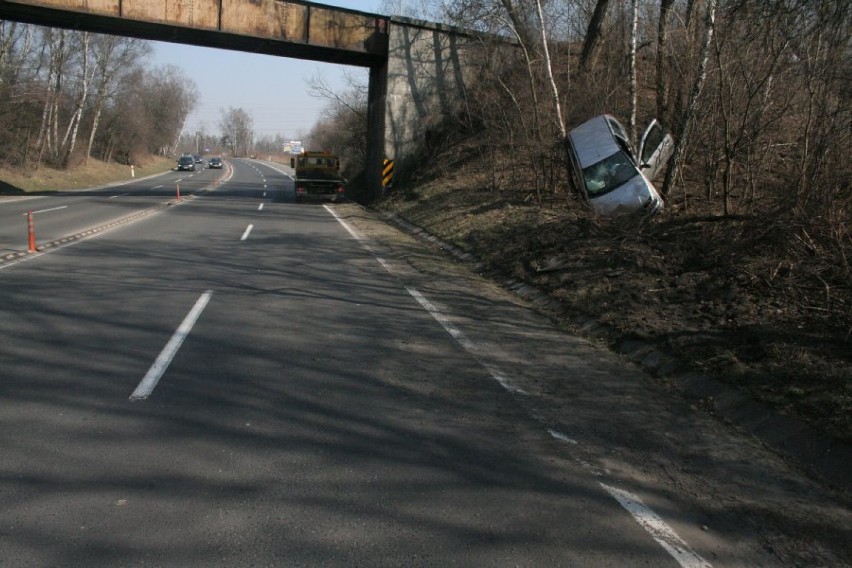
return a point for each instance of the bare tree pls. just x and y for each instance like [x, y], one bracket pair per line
[149, 114]
[57, 86]
[19, 92]
[548, 68]
[236, 126]
[697, 86]
[351, 98]
[523, 35]
[56, 45]
[69, 141]
[523, 104]
[115, 57]
[9, 34]
[631, 57]
[170, 99]
[594, 34]
[662, 63]
[343, 127]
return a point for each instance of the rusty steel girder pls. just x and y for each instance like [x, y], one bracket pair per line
[295, 29]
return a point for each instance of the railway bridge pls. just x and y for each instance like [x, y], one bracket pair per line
[420, 72]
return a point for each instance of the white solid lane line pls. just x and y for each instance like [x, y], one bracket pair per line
[661, 532]
[454, 332]
[658, 529]
[466, 344]
[246, 234]
[120, 195]
[152, 377]
[5, 199]
[51, 209]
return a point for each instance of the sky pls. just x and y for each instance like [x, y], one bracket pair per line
[273, 90]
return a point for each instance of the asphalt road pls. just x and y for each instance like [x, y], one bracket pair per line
[237, 380]
[58, 214]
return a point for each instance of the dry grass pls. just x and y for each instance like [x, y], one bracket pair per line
[96, 173]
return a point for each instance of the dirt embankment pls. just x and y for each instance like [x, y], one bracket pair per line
[761, 304]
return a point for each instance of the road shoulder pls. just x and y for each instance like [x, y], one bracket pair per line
[633, 427]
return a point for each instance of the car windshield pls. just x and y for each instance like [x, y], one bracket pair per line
[606, 175]
[185, 159]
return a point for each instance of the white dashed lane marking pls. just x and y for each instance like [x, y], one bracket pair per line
[152, 377]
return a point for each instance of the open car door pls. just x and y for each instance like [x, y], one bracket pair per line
[655, 150]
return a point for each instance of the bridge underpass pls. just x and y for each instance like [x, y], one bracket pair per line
[418, 71]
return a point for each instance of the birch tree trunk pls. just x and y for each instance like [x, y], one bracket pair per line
[697, 86]
[180, 132]
[116, 56]
[53, 116]
[662, 63]
[548, 68]
[96, 118]
[45, 108]
[634, 22]
[55, 47]
[77, 117]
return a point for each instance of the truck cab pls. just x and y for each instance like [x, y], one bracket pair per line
[317, 176]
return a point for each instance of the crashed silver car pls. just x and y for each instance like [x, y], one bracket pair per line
[615, 179]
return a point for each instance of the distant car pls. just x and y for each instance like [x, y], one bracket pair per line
[186, 163]
[215, 163]
[615, 179]
[198, 159]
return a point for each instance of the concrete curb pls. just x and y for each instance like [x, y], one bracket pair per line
[818, 453]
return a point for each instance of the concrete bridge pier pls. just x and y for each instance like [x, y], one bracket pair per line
[376, 104]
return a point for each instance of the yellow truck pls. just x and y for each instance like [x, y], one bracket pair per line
[318, 176]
